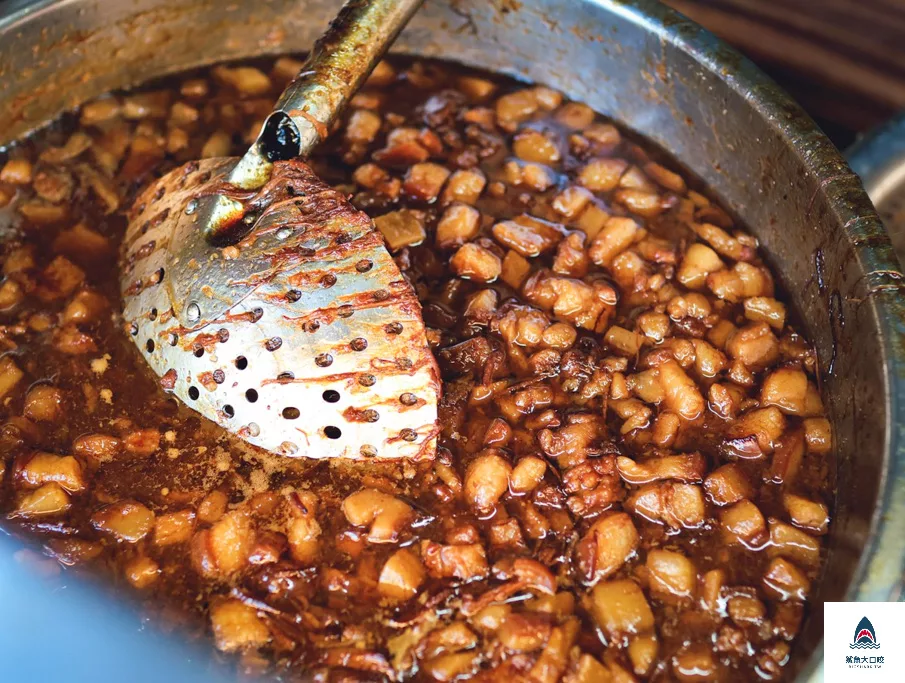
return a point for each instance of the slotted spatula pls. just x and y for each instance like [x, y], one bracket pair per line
[269, 304]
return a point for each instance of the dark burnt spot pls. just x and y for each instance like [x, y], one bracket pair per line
[145, 250]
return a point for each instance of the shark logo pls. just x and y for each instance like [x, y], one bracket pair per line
[865, 636]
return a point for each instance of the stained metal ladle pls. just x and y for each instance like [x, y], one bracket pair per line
[269, 304]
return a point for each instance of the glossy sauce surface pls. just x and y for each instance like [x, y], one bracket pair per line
[633, 478]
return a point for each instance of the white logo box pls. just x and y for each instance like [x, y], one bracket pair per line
[862, 641]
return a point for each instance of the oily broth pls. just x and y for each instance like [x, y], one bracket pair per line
[266, 549]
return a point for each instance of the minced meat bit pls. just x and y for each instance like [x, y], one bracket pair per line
[633, 476]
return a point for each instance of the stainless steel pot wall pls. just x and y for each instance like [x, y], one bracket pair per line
[663, 77]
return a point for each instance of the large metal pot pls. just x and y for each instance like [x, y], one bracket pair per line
[660, 75]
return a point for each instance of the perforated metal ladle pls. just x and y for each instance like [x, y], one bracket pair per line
[269, 304]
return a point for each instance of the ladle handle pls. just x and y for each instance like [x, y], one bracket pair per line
[338, 64]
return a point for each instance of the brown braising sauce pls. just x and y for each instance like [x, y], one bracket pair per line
[632, 482]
